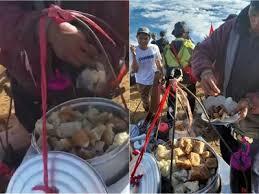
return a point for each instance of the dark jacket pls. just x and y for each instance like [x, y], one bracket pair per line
[19, 33]
[218, 53]
[19, 23]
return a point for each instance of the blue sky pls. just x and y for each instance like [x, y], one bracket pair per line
[163, 14]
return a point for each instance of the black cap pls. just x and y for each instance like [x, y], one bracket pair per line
[230, 16]
[144, 30]
[255, 3]
[180, 28]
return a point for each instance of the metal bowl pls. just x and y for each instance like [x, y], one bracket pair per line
[114, 164]
[214, 184]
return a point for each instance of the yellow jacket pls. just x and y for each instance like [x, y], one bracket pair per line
[184, 54]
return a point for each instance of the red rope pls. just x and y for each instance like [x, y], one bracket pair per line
[116, 82]
[170, 93]
[122, 73]
[58, 15]
[43, 59]
[135, 179]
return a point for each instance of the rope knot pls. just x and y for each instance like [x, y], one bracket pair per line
[59, 15]
[5, 171]
[135, 180]
[45, 189]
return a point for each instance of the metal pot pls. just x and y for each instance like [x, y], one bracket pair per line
[151, 180]
[68, 173]
[214, 185]
[114, 164]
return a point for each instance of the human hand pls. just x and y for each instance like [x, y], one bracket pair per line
[133, 50]
[134, 65]
[242, 108]
[70, 45]
[208, 83]
[254, 102]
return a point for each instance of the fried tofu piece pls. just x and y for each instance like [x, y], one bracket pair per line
[182, 142]
[183, 163]
[211, 162]
[67, 114]
[200, 173]
[192, 186]
[118, 123]
[181, 175]
[120, 138]
[99, 145]
[164, 166]
[188, 148]
[180, 188]
[108, 135]
[198, 147]
[195, 159]
[178, 152]
[162, 152]
[187, 141]
[206, 154]
[81, 138]
[66, 130]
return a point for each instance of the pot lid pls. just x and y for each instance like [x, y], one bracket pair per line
[67, 172]
[150, 182]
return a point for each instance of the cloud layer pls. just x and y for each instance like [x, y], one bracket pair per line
[199, 14]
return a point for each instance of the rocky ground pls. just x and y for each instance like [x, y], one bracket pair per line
[199, 126]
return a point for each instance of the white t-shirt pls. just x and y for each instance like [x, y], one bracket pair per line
[147, 64]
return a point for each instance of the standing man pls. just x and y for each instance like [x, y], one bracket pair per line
[177, 55]
[146, 61]
[153, 37]
[162, 41]
[226, 63]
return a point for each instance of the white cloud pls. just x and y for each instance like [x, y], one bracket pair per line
[199, 14]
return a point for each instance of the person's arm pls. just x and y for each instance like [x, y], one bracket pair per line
[205, 55]
[158, 59]
[20, 32]
[159, 65]
[134, 65]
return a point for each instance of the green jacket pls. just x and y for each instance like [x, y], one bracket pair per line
[184, 54]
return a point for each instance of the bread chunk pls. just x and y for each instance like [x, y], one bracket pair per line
[195, 159]
[198, 147]
[211, 162]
